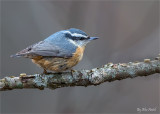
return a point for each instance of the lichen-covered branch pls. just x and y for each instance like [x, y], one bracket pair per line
[96, 76]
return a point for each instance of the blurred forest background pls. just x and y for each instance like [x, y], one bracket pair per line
[128, 31]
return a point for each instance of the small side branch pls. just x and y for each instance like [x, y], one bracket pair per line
[96, 76]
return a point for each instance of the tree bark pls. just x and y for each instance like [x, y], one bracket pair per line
[107, 73]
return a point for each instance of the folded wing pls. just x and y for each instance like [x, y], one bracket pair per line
[45, 48]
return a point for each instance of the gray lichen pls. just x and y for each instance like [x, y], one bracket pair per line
[96, 76]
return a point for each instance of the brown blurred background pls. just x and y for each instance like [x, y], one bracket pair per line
[128, 31]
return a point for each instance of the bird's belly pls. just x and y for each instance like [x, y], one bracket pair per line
[56, 64]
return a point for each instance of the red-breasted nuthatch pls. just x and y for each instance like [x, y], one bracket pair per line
[59, 52]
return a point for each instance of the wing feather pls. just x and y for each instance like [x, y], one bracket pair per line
[45, 48]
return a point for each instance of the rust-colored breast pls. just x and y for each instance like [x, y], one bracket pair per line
[58, 64]
[77, 56]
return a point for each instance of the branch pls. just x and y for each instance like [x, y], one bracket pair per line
[109, 72]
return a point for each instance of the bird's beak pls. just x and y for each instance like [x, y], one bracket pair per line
[93, 38]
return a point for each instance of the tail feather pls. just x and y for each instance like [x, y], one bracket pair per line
[17, 55]
[27, 53]
[23, 53]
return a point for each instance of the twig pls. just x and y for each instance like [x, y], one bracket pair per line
[96, 76]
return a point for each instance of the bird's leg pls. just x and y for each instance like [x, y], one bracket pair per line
[72, 70]
[45, 72]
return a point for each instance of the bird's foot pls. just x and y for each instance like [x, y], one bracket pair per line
[72, 70]
[46, 73]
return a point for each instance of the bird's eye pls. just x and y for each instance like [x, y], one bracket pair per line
[78, 38]
[82, 38]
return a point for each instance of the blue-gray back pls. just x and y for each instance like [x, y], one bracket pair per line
[55, 45]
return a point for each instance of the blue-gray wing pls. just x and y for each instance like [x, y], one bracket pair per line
[45, 48]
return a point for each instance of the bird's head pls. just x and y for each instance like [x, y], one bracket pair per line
[78, 37]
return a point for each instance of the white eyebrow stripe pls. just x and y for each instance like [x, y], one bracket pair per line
[75, 34]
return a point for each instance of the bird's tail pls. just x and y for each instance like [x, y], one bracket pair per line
[23, 53]
[18, 55]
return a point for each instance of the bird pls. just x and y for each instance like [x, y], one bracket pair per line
[58, 52]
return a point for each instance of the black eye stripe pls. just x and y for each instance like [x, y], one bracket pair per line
[79, 38]
[68, 35]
